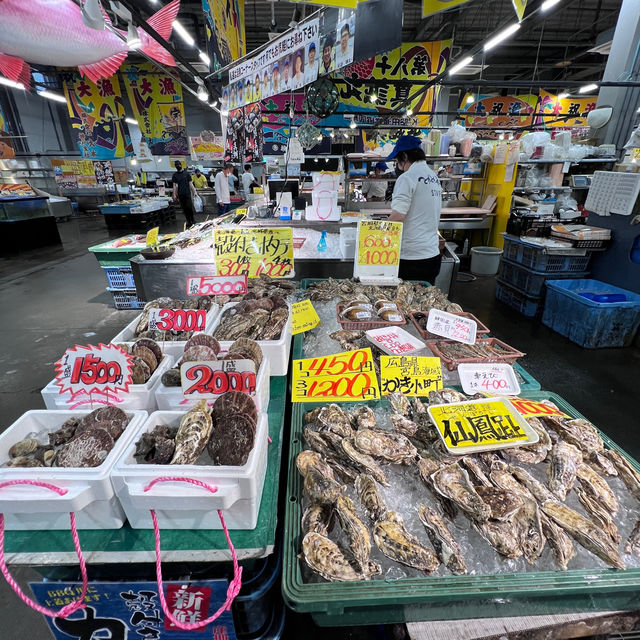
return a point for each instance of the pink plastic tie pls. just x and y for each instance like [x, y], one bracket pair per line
[234, 586]
[70, 608]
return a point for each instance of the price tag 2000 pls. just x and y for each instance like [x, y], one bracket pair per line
[211, 379]
[177, 319]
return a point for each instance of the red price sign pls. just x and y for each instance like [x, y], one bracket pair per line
[211, 379]
[534, 409]
[451, 326]
[216, 285]
[177, 319]
[102, 369]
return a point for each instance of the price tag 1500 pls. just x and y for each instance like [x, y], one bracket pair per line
[211, 379]
[216, 285]
[177, 319]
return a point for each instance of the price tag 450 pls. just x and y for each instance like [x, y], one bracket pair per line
[177, 319]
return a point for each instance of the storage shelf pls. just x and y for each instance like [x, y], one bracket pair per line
[586, 160]
[533, 189]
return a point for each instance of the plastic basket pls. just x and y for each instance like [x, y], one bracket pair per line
[351, 325]
[518, 300]
[120, 277]
[482, 329]
[509, 357]
[591, 324]
[537, 257]
[528, 281]
[126, 299]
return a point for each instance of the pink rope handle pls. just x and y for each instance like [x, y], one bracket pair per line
[234, 586]
[70, 608]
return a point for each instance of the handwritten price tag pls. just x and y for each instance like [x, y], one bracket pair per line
[304, 317]
[379, 242]
[480, 425]
[534, 409]
[252, 252]
[216, 285]
[211, 379]
[410, 375]
[103, 368]
[177, 319]
[152, 237]
[394, 341]
[451, 326]
[344, 377]
[488, 378]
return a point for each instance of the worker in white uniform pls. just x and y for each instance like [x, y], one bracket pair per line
[417, 200]
[247, 179]
[376, 190]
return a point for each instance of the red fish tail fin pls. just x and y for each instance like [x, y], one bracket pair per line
[15, 69]
[104, 68]
[162, 23]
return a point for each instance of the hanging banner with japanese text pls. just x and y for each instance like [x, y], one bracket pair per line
[73, 174]
[566, 112]
[519, 6]
[156, 99]
[224, 22]
[209, 148]
[429, 7]
[244, 141]
[6, 145]
[497, 113]
[97, 117]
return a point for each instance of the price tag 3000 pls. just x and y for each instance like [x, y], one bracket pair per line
[177, 319]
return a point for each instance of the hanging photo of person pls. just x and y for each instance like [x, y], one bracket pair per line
[311, 66]
[285, 78]
[225, 101]
[275, 79]
[345, 38]
[257, 89]
[298, 69]
[248, 92]
[328, 62]
[266, 84]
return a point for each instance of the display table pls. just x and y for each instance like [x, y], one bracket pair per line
[137, 213]
[26, 223]
[127, 545]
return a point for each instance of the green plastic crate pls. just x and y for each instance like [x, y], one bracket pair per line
[445, 597]
[113, 257]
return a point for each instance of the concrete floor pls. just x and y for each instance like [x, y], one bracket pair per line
[54, 298]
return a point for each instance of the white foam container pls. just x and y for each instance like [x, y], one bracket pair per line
[172, 398]
[179, 505]
[276, 351]
[170, 347]
[90, 495]
[140, 397]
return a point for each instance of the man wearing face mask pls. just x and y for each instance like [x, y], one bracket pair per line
[416, 202]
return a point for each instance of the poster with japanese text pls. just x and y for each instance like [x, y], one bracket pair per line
[97, 117]
[6, 145]
[73, 174]
[127, 610]
[234, 146]
[206, 148]
[566, 112]
[156, 99]
[498, 112]
[224, 23]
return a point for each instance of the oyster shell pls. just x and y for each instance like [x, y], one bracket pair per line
[478, 475]
[364, 418]
[193, 434]
[539, 491]
[325, 558]
[598, 488]
[311, 459]
[315, 440]
[250, 347]
[503, 504]
[356, 532]
[598, 514]
[390, 446]
[24, 448]
[317, 519]
[363, 461]
[400, 404]
[563, 468]
[561, 544]
[370, 497]
[322, 488]
[345, 473]
[171, 378]
[502, 536]
[533, 453]
[427, 466]
[275, 324]
[580, 433]
[529, 526]
[447, 549]
[632, 545]
[336, 419]
[453, 482]
[628, 474]
[403, 425]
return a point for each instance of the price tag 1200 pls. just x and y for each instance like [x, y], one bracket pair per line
[451, 326]
[177, 319]
[211, 379]
[488, 378]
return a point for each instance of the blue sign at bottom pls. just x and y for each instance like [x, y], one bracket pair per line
[132, 611]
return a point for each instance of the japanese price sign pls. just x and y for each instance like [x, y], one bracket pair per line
[488, 378]
[152, 236]
[410, 375]
[344, 377]
[121, 610]
[378, 249]
[211, 379]
[451, 326]
[177, 319]
[394, 341]
[216, 285]
[534, 409]
[102, 369]
[252, 252]
[304, 317]
[481, 425]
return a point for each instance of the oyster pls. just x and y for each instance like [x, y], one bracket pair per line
[533, 453]
[629, 475]
[400, 404]
[403, 425]
[397, 543]
[64, 433]
[632, 544]
[364, 418]
[369, 496]
[478, 475]
[598, 514]
[536, 488]
[24, 448]
[321, 488]
[451, 395]
[26, 461]
[363, 461]
[317, 519]
[563, 468]
[453, 482]
[580, 433]
[419, 409]
[529, 527]
[308, 459]
[344, 473]
[193, 434]
[387, 445]
[443, 542]
[315, 440]
[502, 536]
[325, 558]
[503, 504]
[584, 532]
[598, 488]
[356, 532]
[336, 419]
[427, 466]
[561, 544]
[275, 324]
[601, 463]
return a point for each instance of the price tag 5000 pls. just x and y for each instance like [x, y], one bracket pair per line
[216, 285]
[177, 319]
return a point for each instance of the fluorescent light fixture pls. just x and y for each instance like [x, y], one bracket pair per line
[213, 104]
[10, 83]
[353, 124]
[471, 99]
[183, 33]
[52, 96]
[346, 135]
[134, 161]
[205, 58]
[547, 4]
[588, 87]
[501, 136]
[374, 98]
[563, 95]
[461, 65]
[409, 111]
[502, 36]
[133, 39]
[203, 94]
[132, 121]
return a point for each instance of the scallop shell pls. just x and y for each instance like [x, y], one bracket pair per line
[199, 353]
[145, 354]
[191, 303]
[234, 402]
[204, 340]
[250, 347]
[140, 371]
[150, 344]
[89, 449]
[204, 303]
[232, 440]
[171, 378]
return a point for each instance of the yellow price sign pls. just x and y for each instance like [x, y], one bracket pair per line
[304, 317]
[152, 237]
[379, 243]
[480, 425]
[343, 377]
[410, 375]
[252, 252]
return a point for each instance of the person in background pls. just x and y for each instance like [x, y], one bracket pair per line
[417, 200]
[233, 181]
[311, 70]
[375, 190]
[222, 189]
[212, 178]
[183, 192]
[247, 179]
[199, 180]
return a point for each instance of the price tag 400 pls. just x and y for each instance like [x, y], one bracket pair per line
[177, 319]
[488, 378]
[211, 379]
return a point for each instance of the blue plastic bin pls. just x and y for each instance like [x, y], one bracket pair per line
[528, 306]
[120, 277]
[591, 324]
[535, 256]
[528, 281]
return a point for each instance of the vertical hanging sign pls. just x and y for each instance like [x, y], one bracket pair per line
[519, 6]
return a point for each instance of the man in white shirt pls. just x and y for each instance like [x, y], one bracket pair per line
[375, 190]
[311, 70]
[222, 189]
[247, 179]
[417, 200]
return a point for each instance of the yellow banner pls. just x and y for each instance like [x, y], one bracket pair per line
[519, 6]
[303, 317]
[429, 7]
[410, 375]
[343, 377]
[379, 243]
[252, 252]
[565, 112]
[224, 23]
[345, 4]
[485, 423]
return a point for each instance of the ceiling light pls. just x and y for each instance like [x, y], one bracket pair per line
[92, 15]
[503, 35]
[133, 39]
[353, 124]
[205, 58]
[131, 121]
[547, 4]
[213, 104]
[471, 98]
[319, 138]
[374, 98]
[563, 95]
[153, 1]
[333, 135]
[326, 159]
[52, 96]
[501, 136]
[638, 109]
[10, 83]
[409, 111]
[588, 87]
[511, 136]
[203, 94]
[461, 65]
[183, 33]
[134, 161]
[346, 135]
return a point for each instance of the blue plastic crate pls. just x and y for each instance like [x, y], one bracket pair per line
[126, 299]
[591, 324]
[120, 277]
[530, 282]
[526, 305]
[536, 257]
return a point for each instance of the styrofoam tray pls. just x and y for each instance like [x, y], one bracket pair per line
[172, 398]
[179, 505]
[141, 397]
[90, 492]
[401, 340]
[276, 351]
[170, 347]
